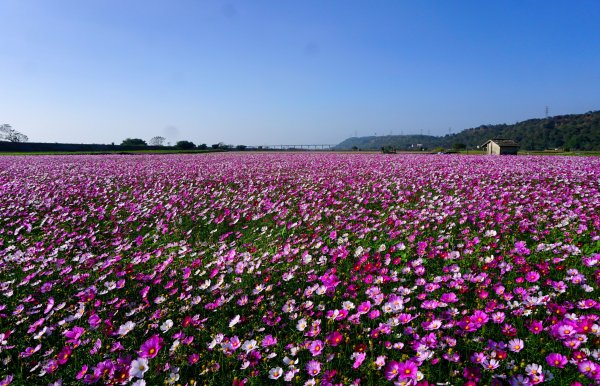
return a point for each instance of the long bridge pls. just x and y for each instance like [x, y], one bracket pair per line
[296, 147]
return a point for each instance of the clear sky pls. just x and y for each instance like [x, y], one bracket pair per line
[290, 72]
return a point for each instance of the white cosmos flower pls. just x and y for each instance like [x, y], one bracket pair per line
[174, 346]
[138, 367]
[249, 345]
[301, 325]
[125, 328]
[172, 378]
[234, 321]
[275, 373]
[41, 333]
[166, 326]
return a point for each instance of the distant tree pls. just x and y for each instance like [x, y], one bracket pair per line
[134, 142]
[186, 145]
[202, 146]
[215, 145]
[241, 147]
[157, 141]
[7, 133]
[459, 146]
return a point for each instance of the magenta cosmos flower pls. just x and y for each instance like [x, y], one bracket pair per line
[407, 370]
[334, 338]
[150, 348]
[74, 334]
[364, 307]
[557, 360]
[532, 276]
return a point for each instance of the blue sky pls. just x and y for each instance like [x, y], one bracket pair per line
[290, 72]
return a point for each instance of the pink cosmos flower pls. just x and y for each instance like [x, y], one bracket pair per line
[519, 380]
[364, 307]
[97, 345]
[490, 364]
[193, 358]
[578, 356]
[533, 369]
[478, 357]
[584, 326]
[64, 355]
[557, 360]
[405, 318]
[479, 318]
[532, 276]
[268, 340]
[94, 321]
[536, 327]
[334, 338]
[566, 330]
[29, 351]
[150, 348]
[391, 370]
[51, 366]
[515, 345]
[449, 297]
[407, 370]
[472, 374]
[467, 326]
[313, 368]
[316, 347]
[74, 334]
[573, 344]
[521, 248]
[82, 372]
[589, 369]
[104, 369]
[358, 357]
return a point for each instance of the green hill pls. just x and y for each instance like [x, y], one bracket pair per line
[575, 131]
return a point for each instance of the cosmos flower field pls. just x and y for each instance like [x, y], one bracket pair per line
[328, 269]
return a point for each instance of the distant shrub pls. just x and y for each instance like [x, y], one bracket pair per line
[133, 142]
[185, 145]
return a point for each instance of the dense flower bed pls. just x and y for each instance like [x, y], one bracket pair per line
[299, 268]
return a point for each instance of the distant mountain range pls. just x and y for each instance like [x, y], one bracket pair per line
[575, 131]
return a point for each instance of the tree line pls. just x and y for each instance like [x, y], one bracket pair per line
[183, 145]
[9, 134]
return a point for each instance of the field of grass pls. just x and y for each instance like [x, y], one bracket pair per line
[305, 268]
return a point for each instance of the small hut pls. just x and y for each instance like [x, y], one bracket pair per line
[500, 146]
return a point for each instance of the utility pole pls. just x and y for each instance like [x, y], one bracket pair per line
[546, 111]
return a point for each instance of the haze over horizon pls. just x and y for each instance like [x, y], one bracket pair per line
[310, 72]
